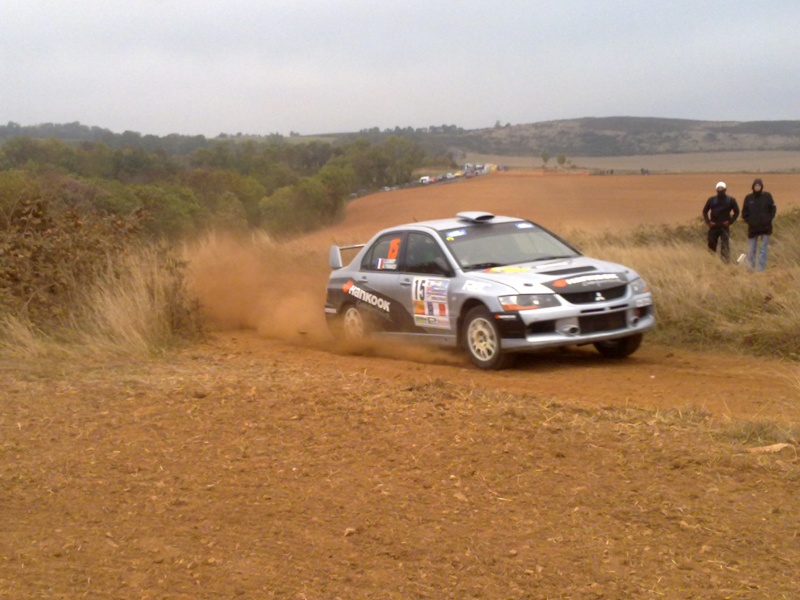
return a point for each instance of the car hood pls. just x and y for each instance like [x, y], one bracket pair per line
[569, 275]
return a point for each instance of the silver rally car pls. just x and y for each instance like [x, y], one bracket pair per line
[493, 285]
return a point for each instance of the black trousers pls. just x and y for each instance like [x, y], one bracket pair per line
[721, 234]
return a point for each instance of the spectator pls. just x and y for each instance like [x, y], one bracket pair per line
[758, 211]
[719, 213]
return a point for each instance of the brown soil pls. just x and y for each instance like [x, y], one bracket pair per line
[273, 463]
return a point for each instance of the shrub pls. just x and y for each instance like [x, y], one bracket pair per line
[63, 266]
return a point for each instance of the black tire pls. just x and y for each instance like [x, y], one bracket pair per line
[620, 348]
[353, 323]
[481, 339]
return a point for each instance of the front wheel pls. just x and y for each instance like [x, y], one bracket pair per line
[482, 340]
[620, 348]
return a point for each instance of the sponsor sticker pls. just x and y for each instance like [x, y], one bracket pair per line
[387, 264]
[585, 280]
[508, 270]
[429, 300]
[475, 286]
[524, 225]
[451, 235]
[359, 294]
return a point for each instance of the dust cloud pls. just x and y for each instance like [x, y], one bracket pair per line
[278, 289]
[253, 282]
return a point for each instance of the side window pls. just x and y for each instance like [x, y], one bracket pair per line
[423, 255]
[383, 254]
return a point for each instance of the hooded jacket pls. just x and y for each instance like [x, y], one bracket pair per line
[758, 211]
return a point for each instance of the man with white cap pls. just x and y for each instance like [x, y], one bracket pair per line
[719, 213]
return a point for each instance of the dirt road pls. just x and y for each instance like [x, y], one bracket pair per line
[727, 386]
[249, 467]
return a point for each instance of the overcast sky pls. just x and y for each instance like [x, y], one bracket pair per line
[318, 66]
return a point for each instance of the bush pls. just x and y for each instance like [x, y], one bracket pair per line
[57, 259]
[48, 251]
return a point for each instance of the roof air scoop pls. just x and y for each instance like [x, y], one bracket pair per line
[475, 216]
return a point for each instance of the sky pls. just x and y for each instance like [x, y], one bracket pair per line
[205, 67]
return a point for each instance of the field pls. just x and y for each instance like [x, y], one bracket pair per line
[689, 162]
[271, 462]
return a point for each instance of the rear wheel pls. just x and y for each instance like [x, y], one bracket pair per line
[354, 324]
[621, 347]
[482, 340]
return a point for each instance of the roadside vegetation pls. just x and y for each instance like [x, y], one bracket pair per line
[705, 304]
[91, 232]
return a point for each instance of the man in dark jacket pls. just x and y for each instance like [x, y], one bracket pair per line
[719, 213]
[758, 211]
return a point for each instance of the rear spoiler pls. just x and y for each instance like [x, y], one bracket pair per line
[335, 255]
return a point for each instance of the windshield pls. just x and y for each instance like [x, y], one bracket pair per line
[485, 246]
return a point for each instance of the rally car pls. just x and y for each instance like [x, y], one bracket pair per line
[494, 285]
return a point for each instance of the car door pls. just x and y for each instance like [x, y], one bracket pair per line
[377, 286]
[427, 275]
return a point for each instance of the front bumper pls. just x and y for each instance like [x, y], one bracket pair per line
[574, 325]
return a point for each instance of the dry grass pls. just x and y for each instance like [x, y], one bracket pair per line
[137, 305]
[704, 303]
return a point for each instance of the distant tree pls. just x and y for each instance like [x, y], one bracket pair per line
[561, 159]
[338, 180]
[403, 156]
[296, 208]
[229, 212]
[215, 188]
[173, 211]
[95, 160]
[545, 155]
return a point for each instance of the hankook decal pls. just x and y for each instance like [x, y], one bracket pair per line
[352, 289]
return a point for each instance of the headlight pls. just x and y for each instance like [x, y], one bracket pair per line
[528, 301]
[639, 286]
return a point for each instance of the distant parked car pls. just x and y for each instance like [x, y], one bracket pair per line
[493, 285]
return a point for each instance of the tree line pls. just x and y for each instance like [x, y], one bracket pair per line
[285, 188]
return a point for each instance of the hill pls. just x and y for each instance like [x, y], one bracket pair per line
[620, 136]
[605, 136]
[590, 136]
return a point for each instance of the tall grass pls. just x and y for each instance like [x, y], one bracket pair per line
[137, 303]
[705, 304]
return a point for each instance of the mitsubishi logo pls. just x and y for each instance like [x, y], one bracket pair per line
[598, 297]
